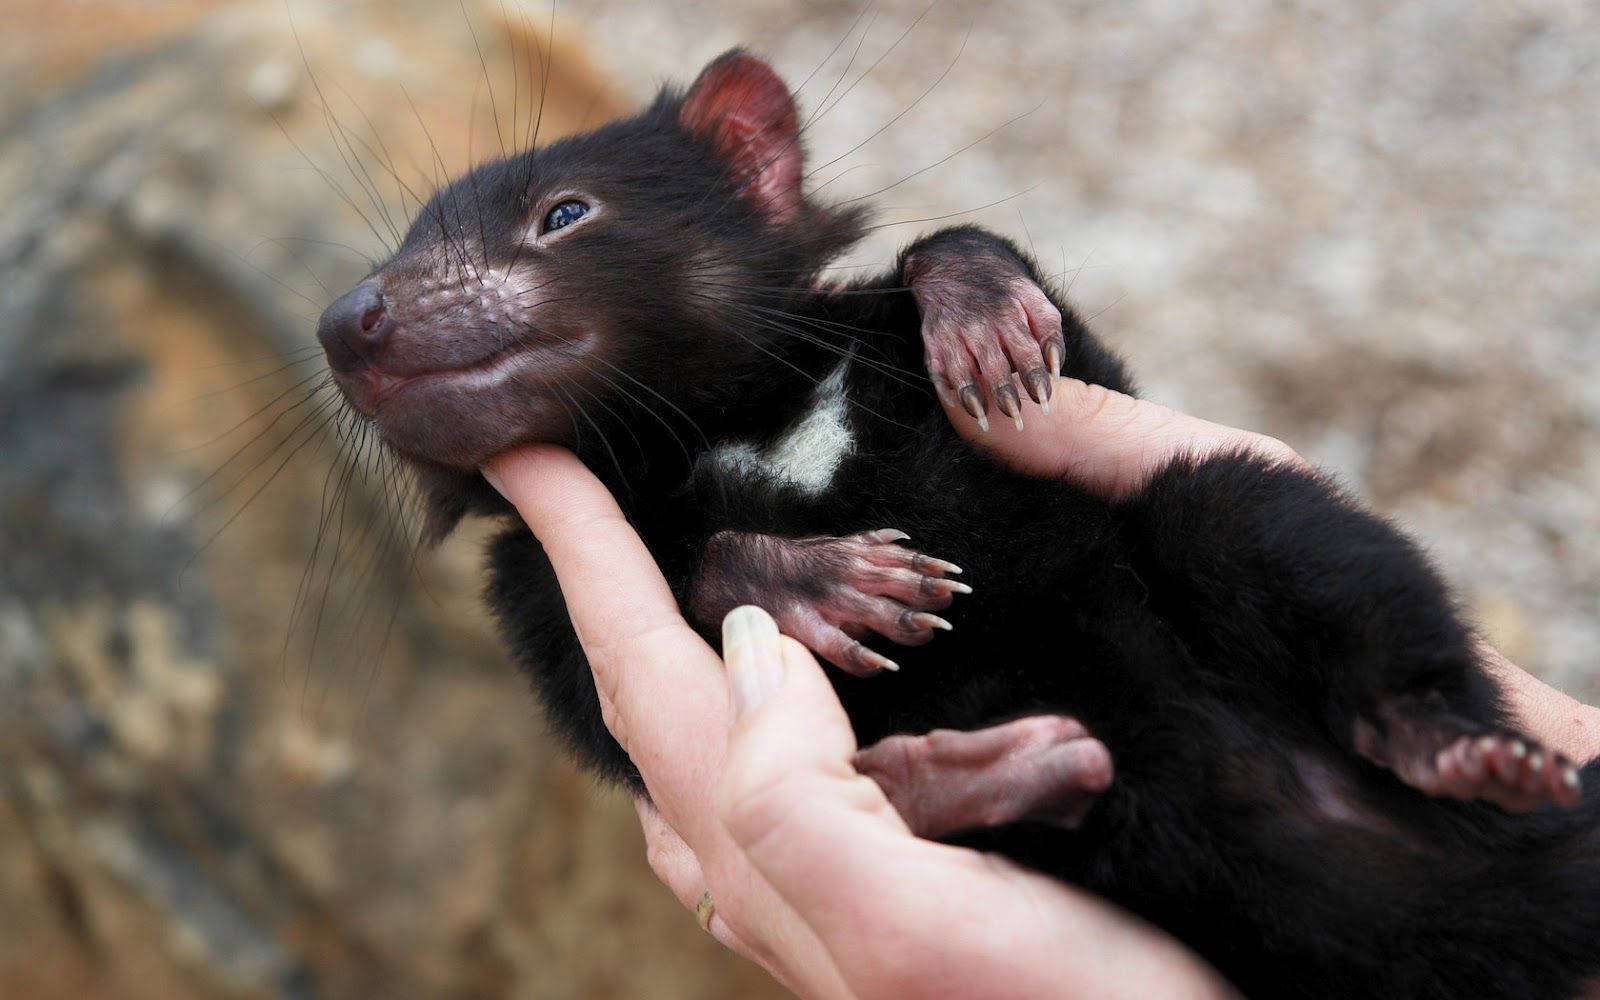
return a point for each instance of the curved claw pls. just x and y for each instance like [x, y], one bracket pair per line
[972, 401]
[828, 592]
[982, 346]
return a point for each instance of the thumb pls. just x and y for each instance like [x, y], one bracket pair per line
[787, 775]
[1107, 441]
[789, 726]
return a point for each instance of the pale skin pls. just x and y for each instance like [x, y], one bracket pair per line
[748, 762]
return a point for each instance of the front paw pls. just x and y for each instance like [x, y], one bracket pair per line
[986, 327]
[829, 592]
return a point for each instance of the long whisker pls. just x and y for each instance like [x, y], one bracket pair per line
[330, 120]
[310, 394]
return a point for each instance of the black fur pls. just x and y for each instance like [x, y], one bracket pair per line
[1222, 631]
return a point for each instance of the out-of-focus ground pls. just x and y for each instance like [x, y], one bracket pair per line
[1372, 229]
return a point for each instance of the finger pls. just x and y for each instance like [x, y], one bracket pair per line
[672, 860]
[620, 604]
[679, 870]
[660, 683]
[668, 703]
[791, 726]
[1112, 443]
[895, 913]
[1556, 718]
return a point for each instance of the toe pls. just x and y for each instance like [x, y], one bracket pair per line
[1026, 354]
[830, 642]
[1044, 322]
[913, 589]
[1008, 401]
[992, 367]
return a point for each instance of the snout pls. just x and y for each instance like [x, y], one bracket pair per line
[355, 327]
[438, 363]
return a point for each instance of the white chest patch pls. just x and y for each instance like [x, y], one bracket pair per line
[807, 454]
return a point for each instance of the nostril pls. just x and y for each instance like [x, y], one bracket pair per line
[371, 319]
[353, 330]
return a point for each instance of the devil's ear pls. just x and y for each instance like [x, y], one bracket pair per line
[743, 109]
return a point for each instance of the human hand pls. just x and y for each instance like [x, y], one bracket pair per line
[813, 873]
[1112, 443]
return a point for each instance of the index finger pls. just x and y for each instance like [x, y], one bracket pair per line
[667, 691]
[661, 684]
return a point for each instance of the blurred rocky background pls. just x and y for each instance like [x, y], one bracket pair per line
[253, 744]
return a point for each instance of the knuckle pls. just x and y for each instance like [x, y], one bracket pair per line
[1276, 451]
[611, 650]
[660, 860]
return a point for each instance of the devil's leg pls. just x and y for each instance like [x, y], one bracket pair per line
[1291, 591]
[1041, 768]
[829, 592]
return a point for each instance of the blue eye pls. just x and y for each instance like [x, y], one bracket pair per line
[564, 214]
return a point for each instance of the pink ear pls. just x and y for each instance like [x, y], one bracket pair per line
[741, 107]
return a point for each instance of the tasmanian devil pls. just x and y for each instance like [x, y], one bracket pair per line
[1316, 783]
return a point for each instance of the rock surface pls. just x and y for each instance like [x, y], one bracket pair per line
[251, 744]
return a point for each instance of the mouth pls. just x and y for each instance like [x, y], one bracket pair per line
[373, 390]
[460, 416]
[382, 387]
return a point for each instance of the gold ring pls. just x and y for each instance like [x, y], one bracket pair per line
[703, 908]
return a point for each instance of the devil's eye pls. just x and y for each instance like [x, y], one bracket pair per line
[564, 214]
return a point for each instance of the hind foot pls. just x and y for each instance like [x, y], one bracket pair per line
[1042, 768]
[829, 592]
[1504, 769]
[1448, 757]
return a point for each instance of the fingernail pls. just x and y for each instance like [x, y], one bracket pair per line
[754, 661]
[492, 479]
